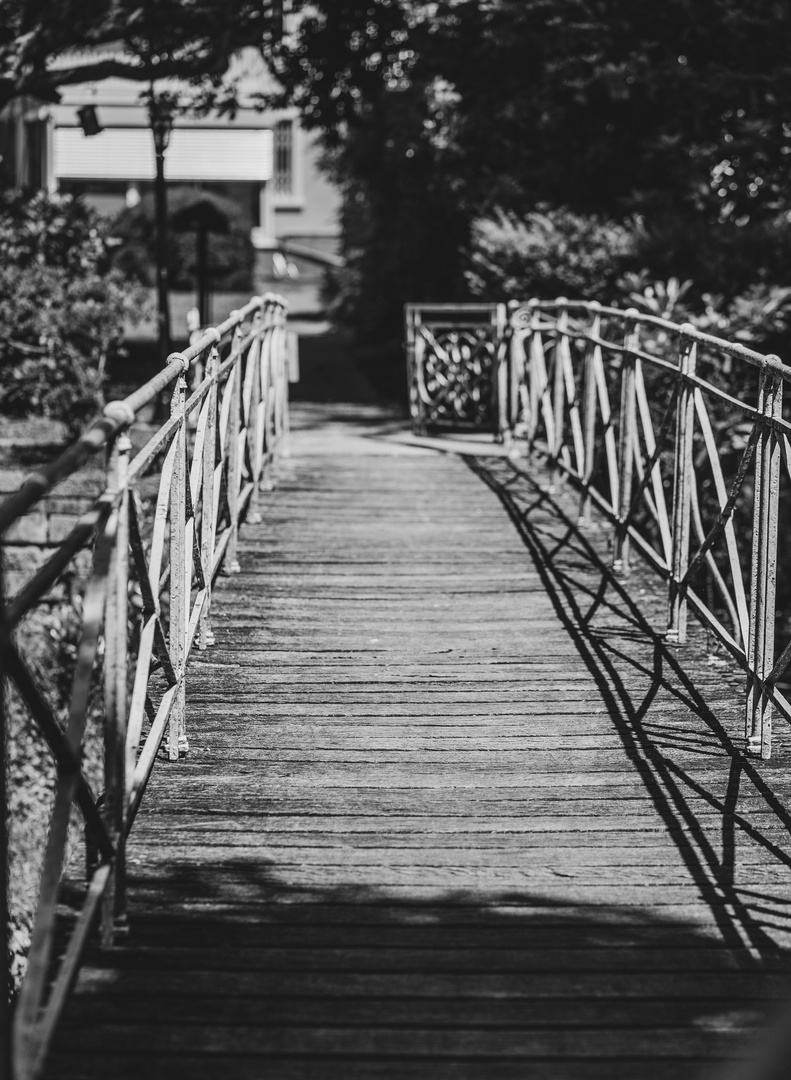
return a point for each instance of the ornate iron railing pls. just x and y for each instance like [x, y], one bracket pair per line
[206, 464]
[630, 408]
[453, 366]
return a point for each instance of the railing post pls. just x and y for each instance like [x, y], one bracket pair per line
[179, 586]
[517, 392]
[536, 387]
[627, 431]
[256, 425]
[589, 416]
[268, 347]
[234, 457]
[274, 411]
[116, 654]
[209, 498]
[288, 349]
[683, 479]
[763, 582]
[502, 375]
[558, 392]
[5, 986]
[411, 319]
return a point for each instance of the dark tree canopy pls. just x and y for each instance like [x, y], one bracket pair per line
[602, 105]
[131, 39]
[433, 114]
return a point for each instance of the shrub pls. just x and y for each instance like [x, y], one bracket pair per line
[723, 259]
[62, 309]
[548, 253]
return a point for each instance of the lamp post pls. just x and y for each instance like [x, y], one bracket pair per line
[160, 112]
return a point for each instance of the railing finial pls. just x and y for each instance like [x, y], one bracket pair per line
[119, 412]
[179, 356]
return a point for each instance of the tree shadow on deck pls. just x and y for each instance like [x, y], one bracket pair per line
[662, 703]
[235, 970]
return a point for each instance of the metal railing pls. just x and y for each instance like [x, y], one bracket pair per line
[628, 407]
[454, 354]
[206, 463]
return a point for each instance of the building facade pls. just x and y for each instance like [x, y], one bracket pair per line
[96, 142]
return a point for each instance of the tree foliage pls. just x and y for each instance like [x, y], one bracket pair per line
[550, 253]
[436, 115]
[45, 45]
[602, 105]
[447, 113]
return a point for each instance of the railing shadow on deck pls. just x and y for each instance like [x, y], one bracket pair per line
[629, 686]
[630, 408]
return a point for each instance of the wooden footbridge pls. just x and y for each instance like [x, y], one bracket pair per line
[450, 794]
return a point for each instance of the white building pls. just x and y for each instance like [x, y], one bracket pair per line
[262, 160]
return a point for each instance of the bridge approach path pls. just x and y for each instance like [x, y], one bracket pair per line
[451, 808]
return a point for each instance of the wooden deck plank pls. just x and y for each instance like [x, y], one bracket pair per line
[438, 819]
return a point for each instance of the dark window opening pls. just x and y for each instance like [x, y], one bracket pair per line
[284, 158]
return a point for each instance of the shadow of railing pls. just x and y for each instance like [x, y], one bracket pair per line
[718, 817]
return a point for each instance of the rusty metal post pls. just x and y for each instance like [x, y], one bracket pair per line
[289, 347]
[627, 432]
[234, 457]
[209, 498]
[558, 391]
[683, 479]
[116, 692]
[269, 433]
[535, 391]
[763, 578]
[415, 348]
[410, 317]
[256, 424]
[502, 380]
[589, 416]
[517, 368]
[5, 987]
[179, 586]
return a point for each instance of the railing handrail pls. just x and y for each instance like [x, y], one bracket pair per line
[553, 373]
[118, 415]
[217, 448]
[686, 331]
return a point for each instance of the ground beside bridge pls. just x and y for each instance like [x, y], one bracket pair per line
[451, 808]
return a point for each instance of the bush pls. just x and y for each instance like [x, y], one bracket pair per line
[723, 259]
[231, 254]
[62, 309]
[759, 317]
[548, 253]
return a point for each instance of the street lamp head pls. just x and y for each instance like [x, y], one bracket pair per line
[160, 113]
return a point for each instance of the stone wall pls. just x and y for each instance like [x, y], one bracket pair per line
[31, 540]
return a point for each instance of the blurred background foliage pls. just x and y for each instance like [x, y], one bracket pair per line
[483, 146]
[63, 308]
[230, 253]
[545, 146]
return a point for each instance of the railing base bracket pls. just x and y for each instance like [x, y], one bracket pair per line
[753, 747]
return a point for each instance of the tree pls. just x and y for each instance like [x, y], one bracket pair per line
[45, 45]
[601, 105]
[675, 112]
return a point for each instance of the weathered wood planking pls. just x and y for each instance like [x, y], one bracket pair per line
[440, 819]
